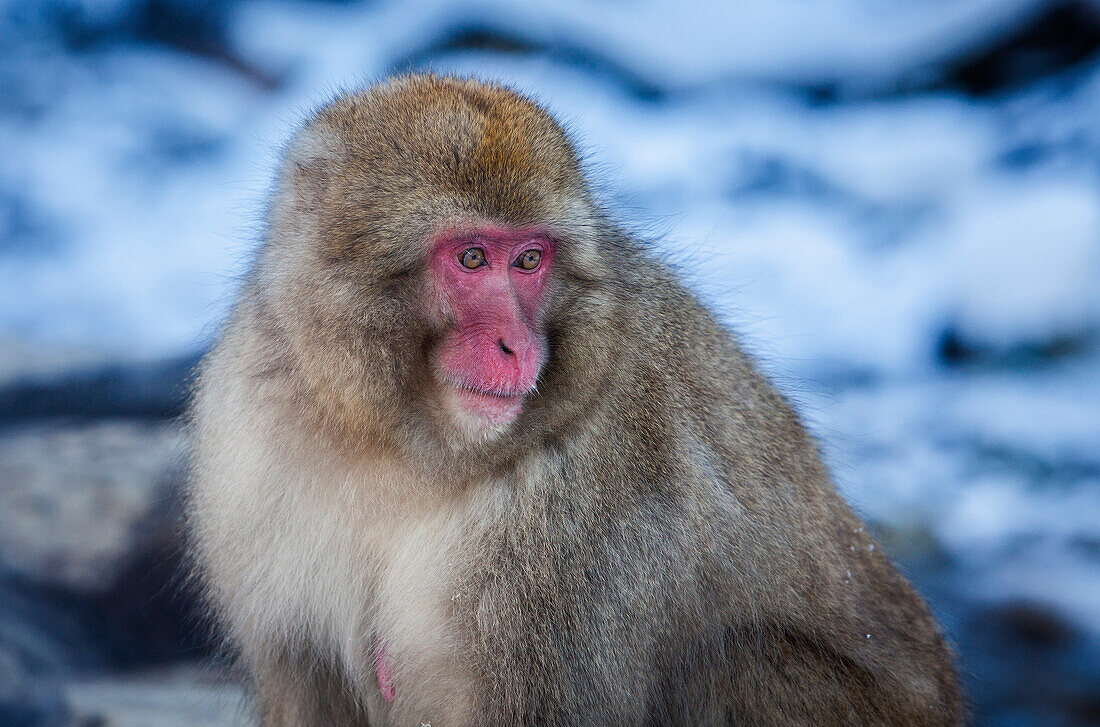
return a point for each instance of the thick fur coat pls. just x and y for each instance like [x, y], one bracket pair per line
[655, 540]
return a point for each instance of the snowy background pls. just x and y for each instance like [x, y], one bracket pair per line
[896, 204]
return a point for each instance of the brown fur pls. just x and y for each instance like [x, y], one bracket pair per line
[654, 541]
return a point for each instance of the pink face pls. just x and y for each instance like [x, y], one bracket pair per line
[491, 280]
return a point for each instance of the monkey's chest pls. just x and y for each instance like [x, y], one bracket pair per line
[416, 660]
[389, 599]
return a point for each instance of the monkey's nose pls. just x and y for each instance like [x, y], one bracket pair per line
[515, 361]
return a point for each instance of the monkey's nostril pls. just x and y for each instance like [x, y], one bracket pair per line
[504, 347]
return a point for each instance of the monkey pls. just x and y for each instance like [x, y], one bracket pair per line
[468, 452]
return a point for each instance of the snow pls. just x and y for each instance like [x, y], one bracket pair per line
[843, 239]
[846, 235]
[862, 43]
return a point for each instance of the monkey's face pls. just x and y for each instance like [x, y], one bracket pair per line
[433, 253]
[489, 284]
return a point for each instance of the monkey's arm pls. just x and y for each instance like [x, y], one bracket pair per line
[785, 610]
[790, 679]
[816, 620]
[833, 628]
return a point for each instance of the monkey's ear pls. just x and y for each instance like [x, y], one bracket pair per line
[307, 169]
[308, 205]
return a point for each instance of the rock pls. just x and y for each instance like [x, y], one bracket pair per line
[26, 701]
[35, 388]
[1053, 40]
[90, 538]
[35, 641]
[1037, 666]
[22, 360]
[80, 504]
[179, 696]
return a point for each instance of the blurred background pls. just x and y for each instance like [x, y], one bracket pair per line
[896, 203]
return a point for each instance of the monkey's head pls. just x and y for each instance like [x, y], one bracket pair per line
[432, 244]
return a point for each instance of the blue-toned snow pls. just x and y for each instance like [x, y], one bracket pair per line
[844, 240]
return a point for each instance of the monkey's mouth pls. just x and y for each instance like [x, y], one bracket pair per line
[492, 407]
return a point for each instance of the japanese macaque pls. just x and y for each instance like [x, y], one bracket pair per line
[467, 453]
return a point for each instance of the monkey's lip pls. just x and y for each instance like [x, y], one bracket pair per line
[497, 407]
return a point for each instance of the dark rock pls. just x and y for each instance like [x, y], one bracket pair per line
[1036, 666]
[150, 390]
[955, 349]
[29, 702]
[1031, 624]
[488, 38]
[36, 647]
[1061, 36]
[79, 505]
[180, 696]
[90, 545]
[199, 28]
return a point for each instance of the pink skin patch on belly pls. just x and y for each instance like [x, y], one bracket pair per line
[385, 676]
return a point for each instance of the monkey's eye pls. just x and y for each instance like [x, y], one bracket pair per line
[472, 258]
[529, 260]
